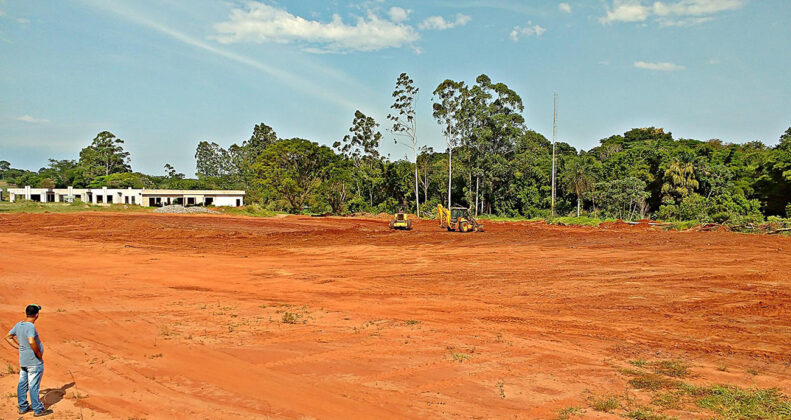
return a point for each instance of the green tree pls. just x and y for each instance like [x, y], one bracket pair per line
[63, 172]
[449, 97]
[361, 148]
[620, 198]
[294, 170]
[579, 177]
[337, 187]
[171, 172]
[211, 160]
[105, 156]
[493, 118]
[404, 123]
[774, 181]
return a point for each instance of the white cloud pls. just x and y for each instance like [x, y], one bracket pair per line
[674, 13]
[30, 119]
[398, 14]
[626, 11]
[661, 66]
[664, 22]
[528, 30]
[440, 24]
[564, 7]
[23, 21]
[2, 13]
[695, 7]
[264, 23]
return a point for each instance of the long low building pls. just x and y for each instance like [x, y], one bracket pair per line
[137, 196]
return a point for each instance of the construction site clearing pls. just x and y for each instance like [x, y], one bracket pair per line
[214, 316]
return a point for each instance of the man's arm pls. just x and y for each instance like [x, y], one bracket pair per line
[11, 340]
[34, 347]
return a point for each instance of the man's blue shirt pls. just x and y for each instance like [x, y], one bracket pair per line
[22, 330]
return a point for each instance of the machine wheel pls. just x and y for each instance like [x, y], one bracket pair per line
[408, 225]
[463, 227]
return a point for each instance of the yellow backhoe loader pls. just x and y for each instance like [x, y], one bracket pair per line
[457, 219]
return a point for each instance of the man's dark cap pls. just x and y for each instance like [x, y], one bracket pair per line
[32, 309]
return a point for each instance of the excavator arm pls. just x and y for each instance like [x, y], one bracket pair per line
[443, 215]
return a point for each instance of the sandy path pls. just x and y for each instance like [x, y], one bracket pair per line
[163, 316]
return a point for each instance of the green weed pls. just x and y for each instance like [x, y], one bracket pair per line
[568, 412]
[733, 403]
[605, 404]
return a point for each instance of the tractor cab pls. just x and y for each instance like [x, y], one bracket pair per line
[456, 213]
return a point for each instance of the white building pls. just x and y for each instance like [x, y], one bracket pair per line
[143, 197]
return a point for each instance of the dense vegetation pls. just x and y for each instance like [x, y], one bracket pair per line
[499, 166]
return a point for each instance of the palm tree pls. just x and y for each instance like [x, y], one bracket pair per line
[579, 177]
[679, 180]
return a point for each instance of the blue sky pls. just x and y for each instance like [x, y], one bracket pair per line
[165, 74]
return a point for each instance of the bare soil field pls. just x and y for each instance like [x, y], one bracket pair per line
[204, 316]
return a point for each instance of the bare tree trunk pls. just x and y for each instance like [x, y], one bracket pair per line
[477, 183]
[417, 190]
[469, 189]
[425, 187]
[450, 172]
[578, 206]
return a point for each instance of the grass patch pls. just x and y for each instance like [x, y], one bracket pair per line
[652, 382]
[291, 317]
[645, 413]
[36, 207]
[688, 224]
[252, 210]
[733, 403]
[568, 412]
[660, 380]
[671, 368]
[460, 356]
[605, 404]
[412, 322]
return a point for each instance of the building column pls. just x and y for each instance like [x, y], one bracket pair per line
[27, 192]
[70, 194]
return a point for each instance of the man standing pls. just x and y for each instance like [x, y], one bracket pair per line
[31, 362]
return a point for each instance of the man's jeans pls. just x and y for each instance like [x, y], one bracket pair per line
[29, 380]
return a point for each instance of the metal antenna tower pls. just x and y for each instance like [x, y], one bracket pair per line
[554, 139]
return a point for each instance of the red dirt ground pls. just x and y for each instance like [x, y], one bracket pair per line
[172, 316]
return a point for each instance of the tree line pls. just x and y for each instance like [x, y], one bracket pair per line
[492, 163]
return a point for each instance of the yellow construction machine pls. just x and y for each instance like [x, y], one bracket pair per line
[401, 221]
[457, 219]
